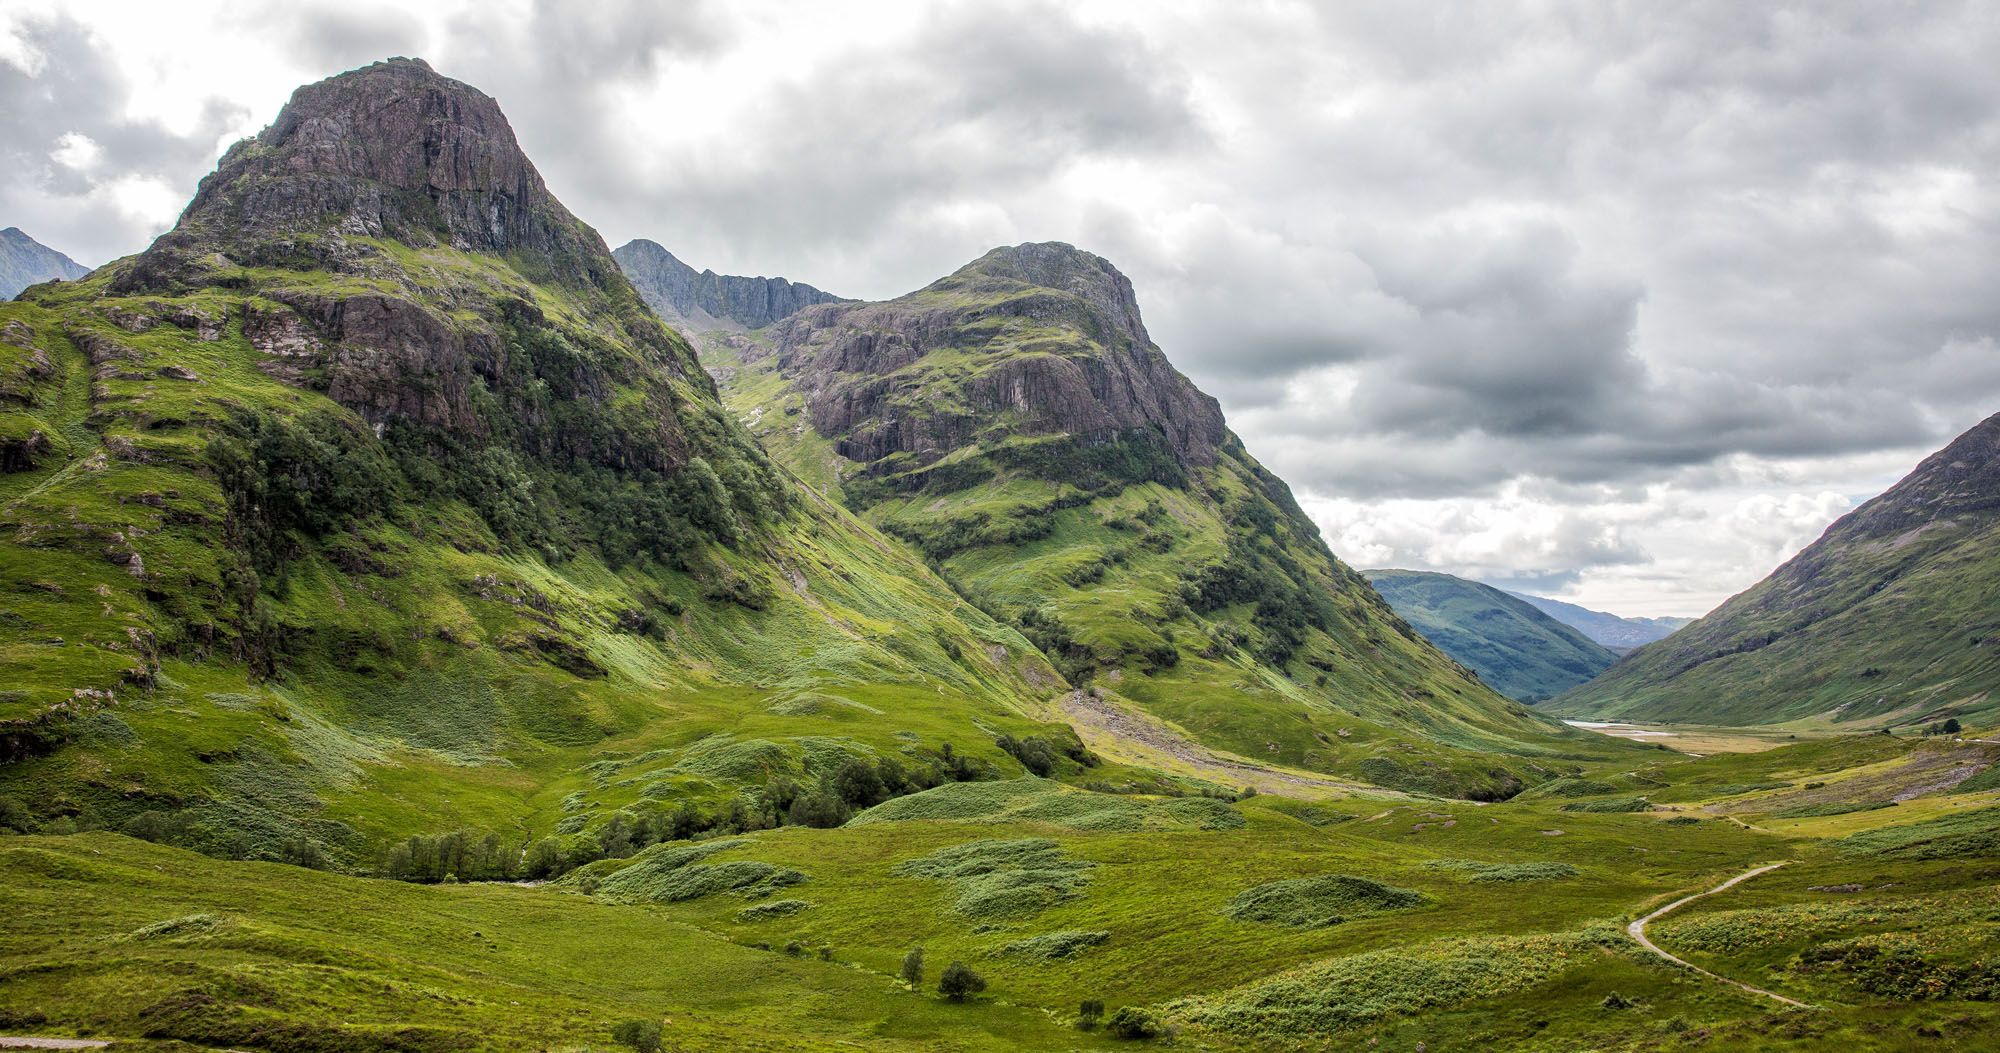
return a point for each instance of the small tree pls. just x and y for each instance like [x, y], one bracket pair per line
[642, 1035]
[1952, 726]
[959, 982]
[1130, 1021]
[1089, 1014]
[913, 967]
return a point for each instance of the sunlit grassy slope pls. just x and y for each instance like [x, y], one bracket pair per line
[1455, 925]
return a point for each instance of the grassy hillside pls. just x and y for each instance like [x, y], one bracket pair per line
[1006, 421]
[1889, 619]
[1264, 924]
[312, 542]
[1518, 650]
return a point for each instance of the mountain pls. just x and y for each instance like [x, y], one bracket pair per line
[25, 261]
[1512, 645]
[1890, 618]
[700, 301]
[1016, 424]
[371, 500]
[1617, 633]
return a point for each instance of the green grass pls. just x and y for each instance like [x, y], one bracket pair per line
[1317, 902]
[1476, 964]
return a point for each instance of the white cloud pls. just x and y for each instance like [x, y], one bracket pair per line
[1615, 298]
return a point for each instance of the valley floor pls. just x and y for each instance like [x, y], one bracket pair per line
[1270, 923]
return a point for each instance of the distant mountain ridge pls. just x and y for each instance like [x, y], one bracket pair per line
[1619, 633]
[25, 261]
[699, 301]
[1892, 617]
[1515, 647]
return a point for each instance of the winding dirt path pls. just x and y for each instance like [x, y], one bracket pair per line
[1103, 723]
[1637, 930]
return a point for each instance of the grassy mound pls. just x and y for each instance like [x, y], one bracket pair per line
[1042, 801]
[777, 908]
[1317, 902]
[1570, 787]
[1506, 872]
[672, 873]
[1611, 804]
[1053, 946]
[1341, 992]
[1002, 879]
[1961, 836]
[1814, 811]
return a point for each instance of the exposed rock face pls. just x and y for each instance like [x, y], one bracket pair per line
[1047, 338]
[362, 170]
[25, 261]
[699, 301]
[391, 150]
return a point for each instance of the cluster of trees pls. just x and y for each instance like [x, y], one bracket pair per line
[827, 801]
[857, 784]
[1287, 607]
[1044, 756]
[307, 475]
[1949, 726]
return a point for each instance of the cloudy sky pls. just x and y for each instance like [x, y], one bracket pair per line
[1622, 303]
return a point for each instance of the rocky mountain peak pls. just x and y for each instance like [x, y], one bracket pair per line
[1040, 339]
[702, 301]
[1061, 267]
[391, 150]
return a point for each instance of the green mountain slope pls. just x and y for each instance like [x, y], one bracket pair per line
[1520, 651]
[1891, 617]
[1015, 423]
[371, 500]
[1609, 630]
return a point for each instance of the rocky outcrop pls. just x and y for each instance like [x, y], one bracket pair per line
[392, 150]
[700, 301]
[25, 261]
[1043, 339]
[366, 202]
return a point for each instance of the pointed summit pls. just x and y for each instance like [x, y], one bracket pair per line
[394, 151]
[1049, 343]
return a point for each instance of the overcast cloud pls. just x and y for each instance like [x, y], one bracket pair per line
[1621, 302]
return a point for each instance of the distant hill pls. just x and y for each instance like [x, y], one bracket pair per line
[25, 261]
[1619, 634]
[1516, 648]
[1892, 617]
[700, 301]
